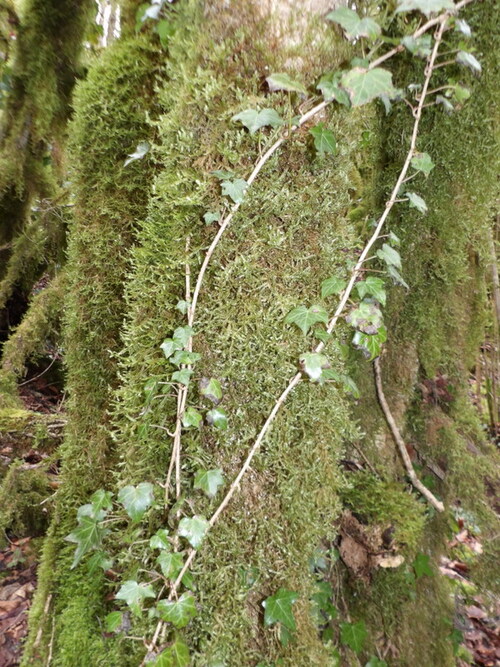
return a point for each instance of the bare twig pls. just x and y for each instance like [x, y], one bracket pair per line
[428, 495]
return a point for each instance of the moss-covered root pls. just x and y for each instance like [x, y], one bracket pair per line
[29, 340]
[111, 109]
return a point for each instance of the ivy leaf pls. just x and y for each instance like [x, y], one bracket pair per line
[373, 287]
[191, 417]
[209, 481]
[183, 376]
[324, 140]
[134, 594]
[182, 336]
[427, 7]
[178, 612]
[417, 202]
[463, 27]
[375, 662]
[113, 621]
[170, 563]
[470, 61]
[461, 93]
[141, 150]
[176, 655]
[278, 608]
[193, 529]
[184, 357]
[218, 418]
[313, 364]
[371, 345]
[354, 26]
[211, 389]
[160, 539]
[99, 560]
[353, 635]
[322, 607]
[87, 535]
[210, 217]
[422, 162]
[253, 120]
[282, 81]
[390, 256]
[365, 85]
[366, 317]
[446, 104]
[396, 276]
[420, 46]
[304, 317]
[165, 31]
[421, 566]
[234, 189]
[136, 499]
[329, 86]
[332, 285]
[223, 174]
[394, 239]
[169, 347]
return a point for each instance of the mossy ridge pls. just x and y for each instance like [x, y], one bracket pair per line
[111, 109]
[293, 226]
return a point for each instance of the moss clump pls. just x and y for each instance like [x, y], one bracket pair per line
[386, 503]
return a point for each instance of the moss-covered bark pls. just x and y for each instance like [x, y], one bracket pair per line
[299, 224]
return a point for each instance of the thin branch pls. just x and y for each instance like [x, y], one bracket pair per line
[428, 495]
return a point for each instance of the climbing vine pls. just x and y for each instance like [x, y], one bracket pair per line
[165, 577]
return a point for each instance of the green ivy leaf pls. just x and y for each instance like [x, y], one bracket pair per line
[191, 418]
[278, 608]
[113, 621]
[374, 287]
[324, 140]
[209, 481]
[282, 81]
[210, 217]
[211, 389]
[169, 347]
[396, 276]
[366, 317]
[353, 635]
[365, 85]
[460, 93]
[234, 189]
[375, 662]
[427, 7]
[87, 535]
[254, 120]
[421, 566]
[417, 202]
[371, 345]
[348, 383]
[160, 539]
[134, 594]
[182, 336]
[165, 31]
[218, 418]
[420, 46]
[470, 61]
[99, 560]
[178, 612]
[322, 608]
[330, 88]
[390, 256]
[332, 285]
[141, 150]
[194, 529]
[181, 357]
[422, 162]
[170, 563]
[183, 376]
[223, 174]
[176, 655]
[136, 499]
[313, 364]
[353, 26]
[304, 317]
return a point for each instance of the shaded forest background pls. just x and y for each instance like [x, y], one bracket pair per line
[93, 255]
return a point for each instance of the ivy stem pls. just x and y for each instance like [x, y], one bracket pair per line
[295, 380]
[430, 497]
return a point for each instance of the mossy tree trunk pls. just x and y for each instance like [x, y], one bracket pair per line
[133, 232]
